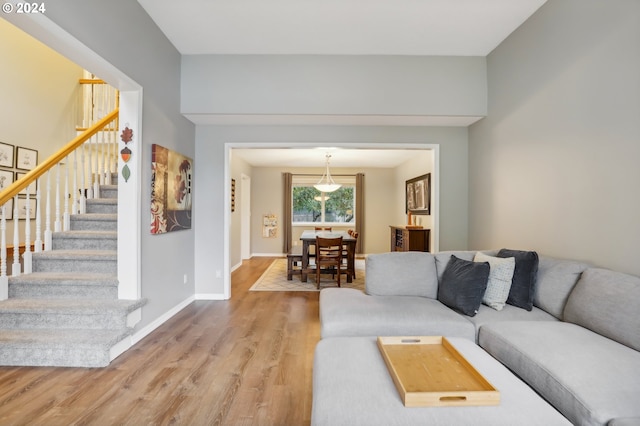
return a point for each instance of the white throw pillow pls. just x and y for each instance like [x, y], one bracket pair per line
[500, 277]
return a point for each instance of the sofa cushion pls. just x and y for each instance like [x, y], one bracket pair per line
[499, 283]
[401, 274]
[350, 312]
[524, 277]
[587, 377]
[463, 285]
[352, 387]
[607, 302]
[487, 315]
[556, 278]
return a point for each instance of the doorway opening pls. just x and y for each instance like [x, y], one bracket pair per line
[229, 147]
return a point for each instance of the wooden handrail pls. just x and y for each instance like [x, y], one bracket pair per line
[41, 168]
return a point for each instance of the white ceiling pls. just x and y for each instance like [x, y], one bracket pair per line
[337, 27]
[341, 27]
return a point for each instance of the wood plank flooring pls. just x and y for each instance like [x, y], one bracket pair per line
[245, 361]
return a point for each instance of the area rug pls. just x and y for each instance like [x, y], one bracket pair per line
[275, 279]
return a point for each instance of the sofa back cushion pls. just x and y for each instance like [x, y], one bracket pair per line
[556, 279]
[607, 302]
[410, 273]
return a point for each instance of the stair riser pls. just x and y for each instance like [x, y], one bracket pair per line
[109, 192]
[70, 265]
[101, 321]
[101, 208]
[56, 357]
[62, 243]
[93, 225]
[48, 291]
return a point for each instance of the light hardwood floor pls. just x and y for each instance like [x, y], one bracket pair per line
[246, 361]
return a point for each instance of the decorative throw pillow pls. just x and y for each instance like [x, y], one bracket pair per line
[524, 277]
[500, 277]
[463, 284]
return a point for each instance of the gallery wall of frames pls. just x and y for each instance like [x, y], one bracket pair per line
[15, 162]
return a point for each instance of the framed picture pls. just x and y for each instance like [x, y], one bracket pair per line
[233, 195]
[6, 155]
[8, 211]
[418, 195]
[22, 208]
[269, 226]
[26, 159]
[171, 190]
[32, 188]
[6, 179]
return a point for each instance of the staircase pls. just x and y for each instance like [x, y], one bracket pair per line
[66, 312]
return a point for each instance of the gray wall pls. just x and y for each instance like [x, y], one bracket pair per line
[124, 35]
[554, 166]
[209, 211]
[303, 84]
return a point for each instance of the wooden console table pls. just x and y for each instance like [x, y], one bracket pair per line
[409, 239]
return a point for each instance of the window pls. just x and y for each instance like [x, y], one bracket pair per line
[312, 206]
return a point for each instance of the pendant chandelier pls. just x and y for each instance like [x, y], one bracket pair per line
[326, 182]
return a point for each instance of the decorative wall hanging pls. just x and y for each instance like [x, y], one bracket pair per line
[26, 159]
[418, 195]
[33, 187]
[269, 226]
[6, 155]
[170, 190]
[6, 179]
[125, 153]
[233, 195]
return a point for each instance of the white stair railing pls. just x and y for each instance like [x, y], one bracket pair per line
[99, 144]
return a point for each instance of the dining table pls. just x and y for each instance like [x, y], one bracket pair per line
[308, 238]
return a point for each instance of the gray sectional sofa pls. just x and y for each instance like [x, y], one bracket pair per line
[578, 347]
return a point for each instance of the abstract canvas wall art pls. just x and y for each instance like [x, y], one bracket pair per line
[171, 190]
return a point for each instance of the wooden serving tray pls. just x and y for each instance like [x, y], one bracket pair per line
[429, 372]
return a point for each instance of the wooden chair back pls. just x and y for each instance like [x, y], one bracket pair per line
[328, 257]
[324, 228]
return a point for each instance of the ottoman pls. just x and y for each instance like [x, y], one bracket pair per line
[352, 386]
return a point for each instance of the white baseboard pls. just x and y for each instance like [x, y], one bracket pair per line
[143, 332]
[210, 296]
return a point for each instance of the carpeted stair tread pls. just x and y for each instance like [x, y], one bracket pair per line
[65, 278]
[96, 217]
[102, 201]
[68, 306]
[87, 234]
[78, 254]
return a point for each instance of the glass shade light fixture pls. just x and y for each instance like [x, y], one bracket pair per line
[326, 182]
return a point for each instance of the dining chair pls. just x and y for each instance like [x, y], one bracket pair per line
[328, 257]
[349, 255]
[324, 228]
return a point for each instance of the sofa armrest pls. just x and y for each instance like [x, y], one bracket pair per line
[401, 274]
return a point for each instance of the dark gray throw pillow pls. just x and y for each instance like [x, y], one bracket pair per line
[463, 284]
[524, 277]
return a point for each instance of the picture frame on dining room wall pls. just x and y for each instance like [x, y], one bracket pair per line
[418, 195]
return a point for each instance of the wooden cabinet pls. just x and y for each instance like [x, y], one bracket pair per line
[409, 239]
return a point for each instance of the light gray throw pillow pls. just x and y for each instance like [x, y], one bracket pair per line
[500, 277]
